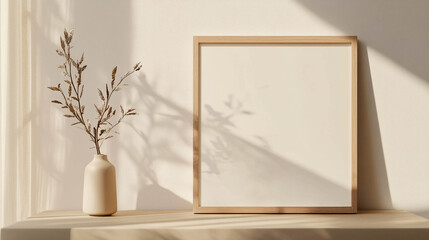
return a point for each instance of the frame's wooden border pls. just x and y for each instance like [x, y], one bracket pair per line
[198, 40]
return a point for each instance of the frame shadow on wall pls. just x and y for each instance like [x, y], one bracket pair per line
[379, 27]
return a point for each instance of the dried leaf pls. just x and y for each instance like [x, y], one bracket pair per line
[75, 98]
[79, 80]
[82, 109]
[108, 114]
[68, 116]
[98, 110]
[66, 35]
[65, 107]
[61, 66]
[54, 89]
[114, 75]
[83, 68]
[103, 121]
[71, 35]
[74, 63]
[76, 123]
[102, 131]
[56, 101]
[122, 110]
[67, 81]
[81, 91]
[137, 66]
[81, 59]
[60, 53]
[107, 91]
[70, 90]
[75, 107]
[133, 113]
[114, 111]
[100, 93]
[63, 46]
[71, 109]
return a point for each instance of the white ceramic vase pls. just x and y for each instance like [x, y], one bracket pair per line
[99, 189]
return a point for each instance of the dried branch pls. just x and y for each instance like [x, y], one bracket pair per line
[75, 88]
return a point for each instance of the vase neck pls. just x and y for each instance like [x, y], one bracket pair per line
[100, 157]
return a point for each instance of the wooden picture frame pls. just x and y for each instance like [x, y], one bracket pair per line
[210, 51]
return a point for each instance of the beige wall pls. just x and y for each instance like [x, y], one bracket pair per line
[153, 154]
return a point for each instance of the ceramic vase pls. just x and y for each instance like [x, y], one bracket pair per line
[99, 189]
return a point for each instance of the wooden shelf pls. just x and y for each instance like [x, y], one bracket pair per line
[153, 225]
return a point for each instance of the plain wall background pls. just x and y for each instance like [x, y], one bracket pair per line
[153, 153]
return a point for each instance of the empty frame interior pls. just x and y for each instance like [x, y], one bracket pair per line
[275, 126]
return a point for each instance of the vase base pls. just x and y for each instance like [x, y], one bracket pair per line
[100, 215]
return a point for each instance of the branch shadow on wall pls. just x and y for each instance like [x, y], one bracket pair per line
[161, 115]
[254, 162]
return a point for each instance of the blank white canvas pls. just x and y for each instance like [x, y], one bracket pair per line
[275, 125]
